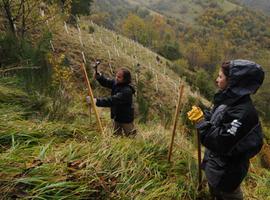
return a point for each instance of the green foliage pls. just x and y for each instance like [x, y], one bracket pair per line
[44, 159]
[91, 29]
[27, 61]
[204, 83]
[142, 12]
[149, 75]
[66, 160]
[143, 108]
[134, 27]
[187, 107]
[262, 97]
[170, 50]
[81, 7]
[143, 103]
[241, 27]
[165, 115]
[31, 65]
[194, 55]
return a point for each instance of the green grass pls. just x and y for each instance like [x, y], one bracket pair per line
[41, 159]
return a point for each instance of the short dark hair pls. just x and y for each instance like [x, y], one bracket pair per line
[126, 75]
[225, 67]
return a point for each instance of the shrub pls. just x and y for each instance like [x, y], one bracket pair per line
[26, 61]
[143, 103]
[91, 29]
[170, 50]
[205, 86]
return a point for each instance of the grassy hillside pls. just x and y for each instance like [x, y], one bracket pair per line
[69, 159]
[46, 156]
[187, 10]
[153, 79]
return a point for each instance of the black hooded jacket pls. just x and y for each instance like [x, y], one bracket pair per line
[120, 101]
[231, 131]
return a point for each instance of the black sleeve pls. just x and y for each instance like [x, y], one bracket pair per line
[119, 98]
[222, 137]
[105, 82]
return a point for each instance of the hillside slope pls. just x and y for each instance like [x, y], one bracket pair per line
[185, 11]
[68, 159]
[153, 78]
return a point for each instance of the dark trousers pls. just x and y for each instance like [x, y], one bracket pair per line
[220, 195]
[127, 129]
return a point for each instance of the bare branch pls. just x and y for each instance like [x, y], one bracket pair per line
[17, 68]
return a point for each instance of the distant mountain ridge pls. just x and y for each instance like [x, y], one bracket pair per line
[184, 10]
[263, 5]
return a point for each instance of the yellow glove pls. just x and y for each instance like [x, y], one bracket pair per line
[195, 115]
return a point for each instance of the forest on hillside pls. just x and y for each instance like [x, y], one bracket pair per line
[195, 49]
[216, 36]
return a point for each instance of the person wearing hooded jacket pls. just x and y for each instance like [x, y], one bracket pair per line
[120, 101]
[231, 131]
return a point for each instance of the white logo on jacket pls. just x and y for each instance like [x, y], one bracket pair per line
[235, 125]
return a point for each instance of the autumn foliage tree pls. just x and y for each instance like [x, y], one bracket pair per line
[134, 27]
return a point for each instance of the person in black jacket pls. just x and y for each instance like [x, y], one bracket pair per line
[231, 131]
[120, 101]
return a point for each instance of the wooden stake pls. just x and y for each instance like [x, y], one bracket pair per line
[156, 83]
[181, 91]
[80, 39]
[78, 27]
[111, 68]
[52, 45]
[109, 54]
[90, 93]
[199, 150]
[199, 162]
[66, 28]
[83, 56]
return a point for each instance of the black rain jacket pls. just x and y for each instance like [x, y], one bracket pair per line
[231, 131]
[120, 101]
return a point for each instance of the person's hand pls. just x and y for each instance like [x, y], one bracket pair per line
[195, 114]
[88, 100]
[97, 75]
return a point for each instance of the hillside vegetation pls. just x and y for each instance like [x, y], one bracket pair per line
[217, 34]
[50, 146]
[69, 159]
[187, 10]
[184, 11]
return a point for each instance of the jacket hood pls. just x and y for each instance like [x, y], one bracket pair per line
[126, 85]
[245, 77]
[132, 89]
